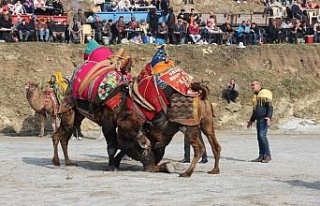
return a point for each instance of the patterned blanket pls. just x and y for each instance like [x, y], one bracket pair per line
[184, 110]
[95, 80]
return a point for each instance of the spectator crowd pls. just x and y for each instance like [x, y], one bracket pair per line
[162, 25]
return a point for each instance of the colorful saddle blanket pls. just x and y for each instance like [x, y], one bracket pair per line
[152, 94]
[100, 86]
[174, 76]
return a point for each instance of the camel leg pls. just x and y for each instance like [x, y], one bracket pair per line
[42, 123]
[198, 147]
[207, 127]
[109, 132]
[70, 126]
[54, 123]
[64, 144]
[55, 140]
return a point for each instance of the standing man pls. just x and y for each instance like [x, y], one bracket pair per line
[262, 113]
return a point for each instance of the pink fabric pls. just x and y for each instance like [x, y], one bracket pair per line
[100, 54]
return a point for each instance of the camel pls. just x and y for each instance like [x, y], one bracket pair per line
[160, 136]
[73, 110]
[43, 103]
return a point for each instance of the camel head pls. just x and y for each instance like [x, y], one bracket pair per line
[30, 88]
[131, 138]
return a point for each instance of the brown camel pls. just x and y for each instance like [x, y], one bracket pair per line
[43, 102]
[160, 136]
[74, 110]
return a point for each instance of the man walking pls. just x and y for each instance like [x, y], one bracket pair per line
[262, 113]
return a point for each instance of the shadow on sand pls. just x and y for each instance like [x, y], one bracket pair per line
[88, 165]
[300, 183]
[233, 159]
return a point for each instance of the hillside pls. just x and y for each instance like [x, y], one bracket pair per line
[290, 71]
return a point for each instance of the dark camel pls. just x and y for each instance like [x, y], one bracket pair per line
[73, 114]
[161, 136]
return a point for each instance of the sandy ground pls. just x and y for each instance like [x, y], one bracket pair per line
[292, 178]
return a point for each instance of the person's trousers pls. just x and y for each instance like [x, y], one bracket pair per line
[263, 143]
[187, 147]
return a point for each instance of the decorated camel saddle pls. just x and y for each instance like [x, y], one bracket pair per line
[163, 86]
[55, 89]
[99, 79]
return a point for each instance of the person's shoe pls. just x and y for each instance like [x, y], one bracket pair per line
[184, 161]
[203, 161]
[259, 159]
[266, 159]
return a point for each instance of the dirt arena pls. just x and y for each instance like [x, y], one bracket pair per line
[291, 178]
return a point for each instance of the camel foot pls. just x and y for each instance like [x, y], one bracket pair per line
[170, 167]
[185, 175]
[111, 169]
[70, 163]
[214, 171]
[56, 162]
[41, 135]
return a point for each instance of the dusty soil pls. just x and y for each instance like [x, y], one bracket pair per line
[290, 71]
[291, 178]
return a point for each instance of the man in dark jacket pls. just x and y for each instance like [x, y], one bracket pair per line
[58, 31]
[262, 113]
[273, 31]
[171, 23]
[153, 21]
[179, 32]
[23, 30]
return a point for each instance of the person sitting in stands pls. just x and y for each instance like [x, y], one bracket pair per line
[273, 32]
[120, 27]
[6, 22]
[296, 32]
[28, 6]
[193, 17]
[179, 32]
[39, 7]
[42, 30]
[58, 7]
[316, 30]
[228, 32]
[58, 31]
[18, 8]
[133, 26]
[297, 11]
[32, 26]
[75, 31]
[194, 32]
[163, 31]
[312, 5]
[97, 27]
[142, 3]
[123, 5]
[23, 30]
[254, 34]
[106, 30]
[208, 31]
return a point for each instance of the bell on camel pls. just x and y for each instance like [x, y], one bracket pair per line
[91, 45]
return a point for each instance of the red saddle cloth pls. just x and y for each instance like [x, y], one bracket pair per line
[148, 90]
[179, 80]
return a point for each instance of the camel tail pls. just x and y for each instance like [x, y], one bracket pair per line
[202, 88]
